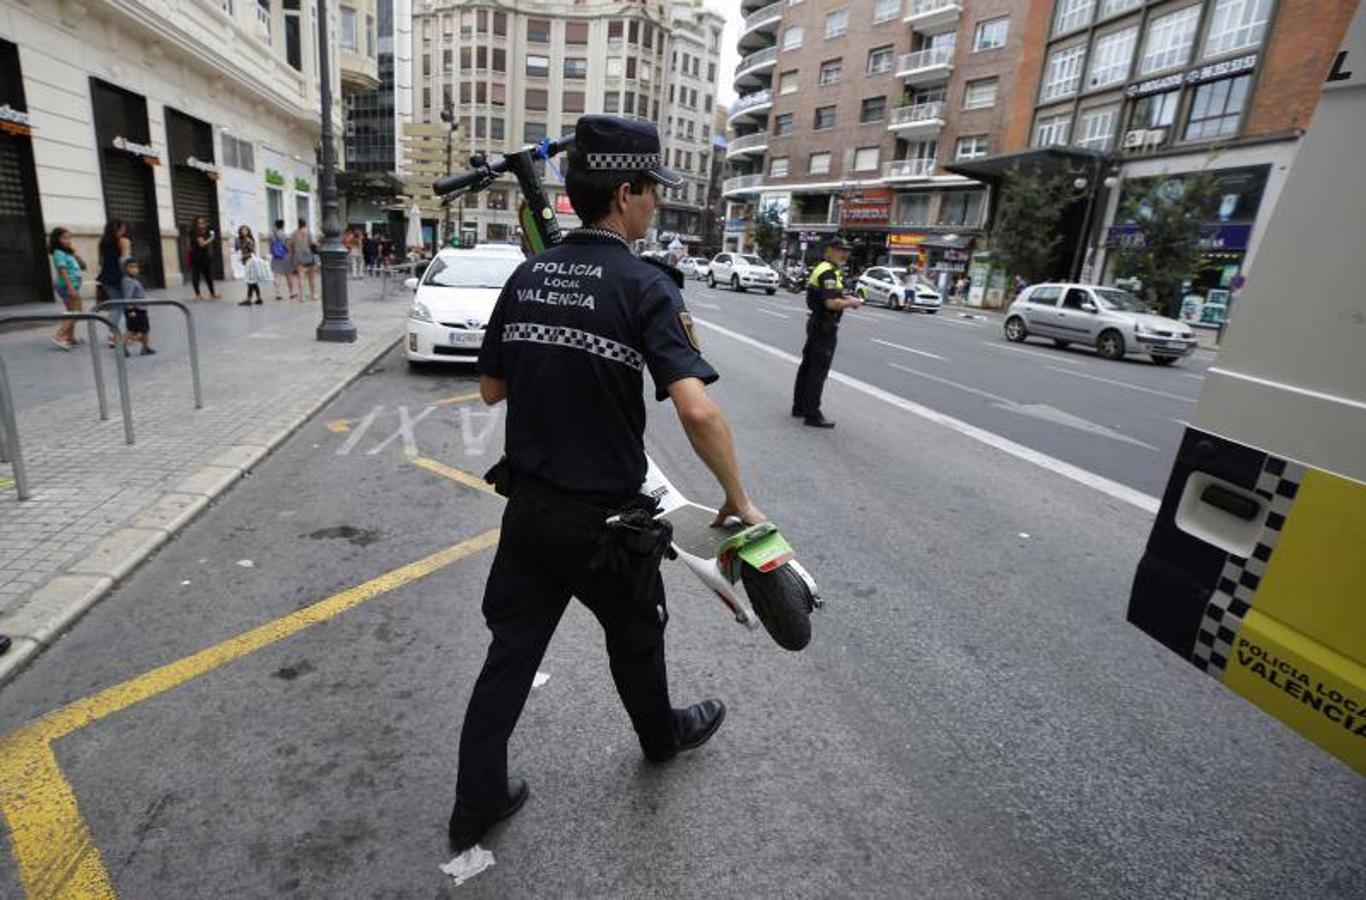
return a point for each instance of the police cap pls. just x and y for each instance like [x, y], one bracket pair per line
[615, 144]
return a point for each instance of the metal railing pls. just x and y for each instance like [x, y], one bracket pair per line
[908, 168]
[923, 59]
[763, 14]
[189, 335]
[925, 7]
[747, 142]
[755, 60]
[9, 429]
[920, 112]
[749, 101]
[741, 182]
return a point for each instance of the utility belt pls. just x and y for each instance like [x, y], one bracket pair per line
[628, 540]
[823, 322]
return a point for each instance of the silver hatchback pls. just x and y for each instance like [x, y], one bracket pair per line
[1115, 322]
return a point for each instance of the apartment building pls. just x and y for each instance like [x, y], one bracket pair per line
[694, 58]
[119, 110]
[516, 71]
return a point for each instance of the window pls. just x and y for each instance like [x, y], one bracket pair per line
[538, 31]
[1169, 40]
[628, 103]
[537, 98]
[778, 167]
[825, 118]
[500, 24]
[576, 32]
[1063, 73]
[959, 208]
[831, 70]
[535, 65]
[533, 132]
[711, 73]
[370, 44]
[787, 82]
[991, 34]
[792, 37]
[1096, 128]
[782, 125]
[614, 31]
[611, 102]
[973, 146]
[500, 60]
[498, 94]
[836, 23]
[481, 58]
[980, 94]
[1047, 295]
[874, 109]
[1155, 110]
[1051, 130]
[466, 58]
[879, 60]
[239, 154]
[630, 67]
[1111, 57]
[647, 70]
[1216, 108]
[496, 128]
[614, 67]
[1236, 24]
[1075, 298]
[707, 103]
[886, 9]
[572, 101]
[818, 163]
[912, 209]
[575, 68]
[1072, 14]
[346, 22]
[866, 158]
[498, 199]
[1115, 7]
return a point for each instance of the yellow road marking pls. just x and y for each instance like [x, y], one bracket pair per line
[51, 843]
[455, 475]
[457, 399]
[6, 482]
[339, 426]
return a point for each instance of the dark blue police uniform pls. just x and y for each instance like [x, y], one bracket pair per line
[822, 333]
[574, 331]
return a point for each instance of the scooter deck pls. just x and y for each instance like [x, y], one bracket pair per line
[693, 533]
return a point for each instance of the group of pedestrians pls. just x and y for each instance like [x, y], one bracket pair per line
[118, 278]
[293, 259]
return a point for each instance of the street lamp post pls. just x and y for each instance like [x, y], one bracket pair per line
[1091, 183]
[448, 116]
[336, 325]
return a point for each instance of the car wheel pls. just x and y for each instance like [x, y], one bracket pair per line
[735, 284]
[862, 294]
[770, 291]
[1163, 360]
[1061, 344]
[1015, 329]
[711, 282]
[1110, 344]
[932, 310]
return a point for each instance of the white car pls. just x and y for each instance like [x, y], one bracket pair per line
[1115, 322]
[695, 267]
[454, 300]
[742, 271]
[895, 289]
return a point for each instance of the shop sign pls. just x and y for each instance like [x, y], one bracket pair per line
[146, 151]
[199, 165]
[15, 121]
[1153, 86]
[870, 206]
[736, 224]
[1212, 237]
[562, 205]
[302, 186]
[274, 178]
[1211, 72]
[904, 241]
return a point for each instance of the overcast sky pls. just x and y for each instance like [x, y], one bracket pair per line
[729, 55]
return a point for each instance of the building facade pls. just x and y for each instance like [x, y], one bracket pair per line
[694, 58]
[117, 110]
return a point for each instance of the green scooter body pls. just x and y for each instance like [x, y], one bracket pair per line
[761, 546]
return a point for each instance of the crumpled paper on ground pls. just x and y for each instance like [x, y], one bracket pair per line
[468, 864]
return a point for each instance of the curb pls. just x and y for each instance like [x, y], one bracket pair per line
[53, 608]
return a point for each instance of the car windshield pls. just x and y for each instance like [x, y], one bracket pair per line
[471, 271]
[753, 260]
[1120, 300]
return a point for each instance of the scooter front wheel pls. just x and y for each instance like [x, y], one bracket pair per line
[783, 603]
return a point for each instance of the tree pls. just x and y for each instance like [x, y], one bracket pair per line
[768, 232]
[1164, 250]
[1028, 232]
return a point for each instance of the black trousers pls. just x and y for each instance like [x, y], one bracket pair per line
[543, 558]
[817, 355]
[201, 267]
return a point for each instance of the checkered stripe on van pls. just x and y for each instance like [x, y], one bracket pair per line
[560, 336]
[1277, 485]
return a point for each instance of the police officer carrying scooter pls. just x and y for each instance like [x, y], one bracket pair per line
[572, 334]
[826, 299]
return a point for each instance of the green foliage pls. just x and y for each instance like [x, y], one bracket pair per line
[1027, 232]
[1165, 251]
[768, 232]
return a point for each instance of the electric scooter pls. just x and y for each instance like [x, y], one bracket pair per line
[777, 592]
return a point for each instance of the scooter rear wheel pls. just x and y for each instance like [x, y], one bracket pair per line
[780, 598]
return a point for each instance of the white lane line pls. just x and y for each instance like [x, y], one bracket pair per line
[953, 320]
[1114, 489]
[908, 349]
[769, 312]
[1038, 353]
[866, 314]
[985, 395]
[1123, 384]
[1192, 375]
[705, 305]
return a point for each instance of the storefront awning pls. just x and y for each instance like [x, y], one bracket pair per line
[993, 169]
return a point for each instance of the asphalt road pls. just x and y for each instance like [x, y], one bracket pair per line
[973, 718]
[1122, 420]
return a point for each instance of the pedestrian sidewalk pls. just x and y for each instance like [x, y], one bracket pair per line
[99, 507]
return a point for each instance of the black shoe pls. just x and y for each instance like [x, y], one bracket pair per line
[468, 828]
[818, 421]
[258, 301]
[694, 726]
[798, 414]
[245, 303]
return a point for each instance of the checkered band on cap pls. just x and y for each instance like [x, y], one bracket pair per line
[623, 162]
[1232, 597]
[574, 339]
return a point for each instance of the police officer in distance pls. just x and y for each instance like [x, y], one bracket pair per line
[570, 339]
[826, 299]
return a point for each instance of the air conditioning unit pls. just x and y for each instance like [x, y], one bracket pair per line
[1155, 137]
[1134, 139]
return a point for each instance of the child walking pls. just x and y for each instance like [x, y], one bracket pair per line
[256, 271]
[139, 323]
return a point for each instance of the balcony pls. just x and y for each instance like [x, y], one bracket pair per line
[933, 16]
[747, 143]
[907, 170]
[925, 66]
[755, 104]
[922, 118]
[749, 68]
[742, 184]
[759, 26]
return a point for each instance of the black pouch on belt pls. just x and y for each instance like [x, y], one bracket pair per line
[500, 476]
[634, 543]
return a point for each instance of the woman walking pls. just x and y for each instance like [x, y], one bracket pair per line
[255, 270]
[67, 266]
[115, 245]
[302, 256]
[280, 264]
[201, 262]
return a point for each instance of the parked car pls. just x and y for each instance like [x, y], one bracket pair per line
[695, 267]
[454, 299]
[742, 271]
[1115, 322]
[895, 288]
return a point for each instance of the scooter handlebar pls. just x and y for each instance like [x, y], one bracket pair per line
[485, 172]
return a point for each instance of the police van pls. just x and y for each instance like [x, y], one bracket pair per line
[1255, 570]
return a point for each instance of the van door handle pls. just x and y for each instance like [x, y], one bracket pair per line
[1232, 503]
